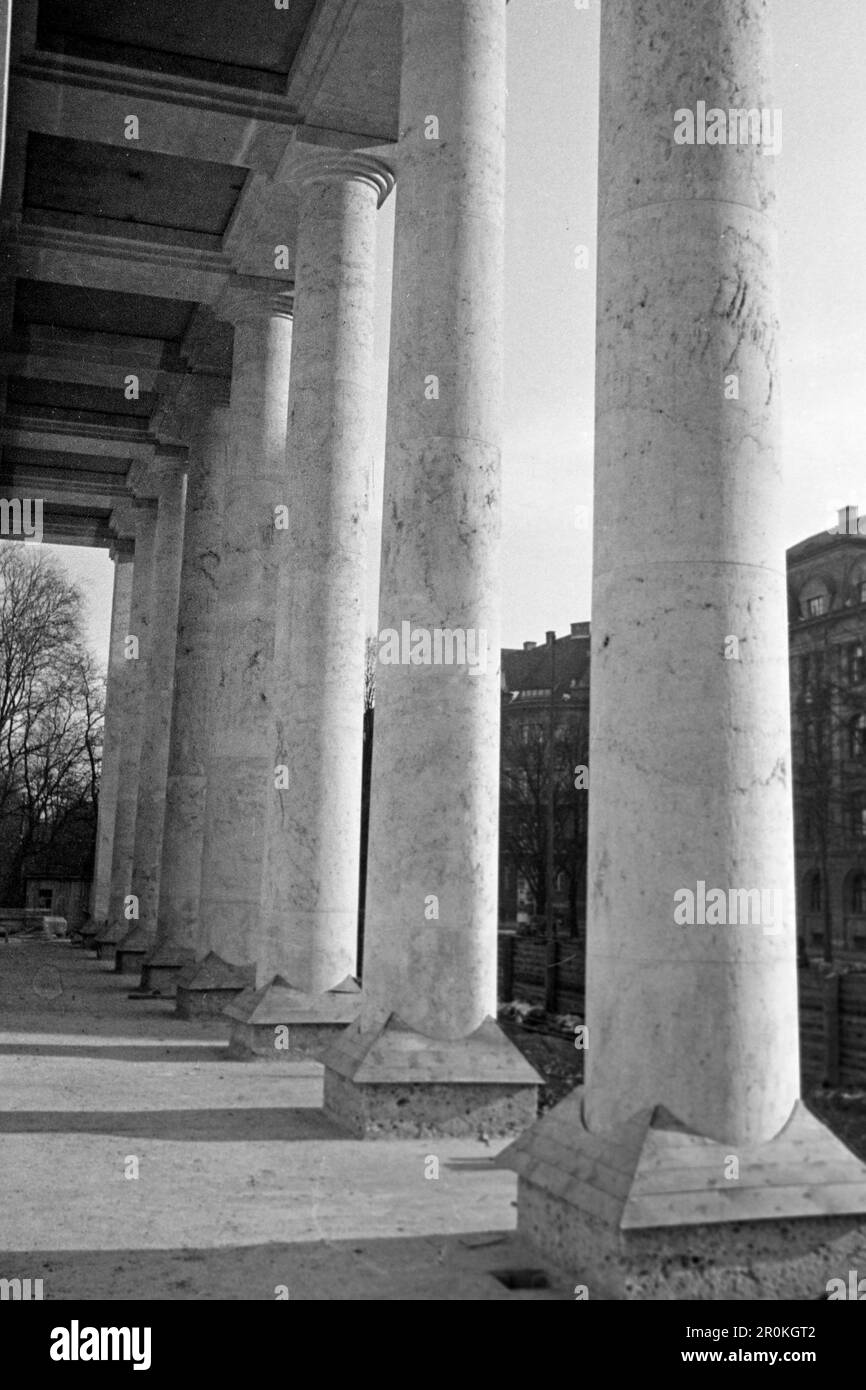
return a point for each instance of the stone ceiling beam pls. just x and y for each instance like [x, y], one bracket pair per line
[80, 372]
[117, 263]
[69, 491]
[71, 344]
[68, 527]
[85, 100]
[98, 441]
[325, 32]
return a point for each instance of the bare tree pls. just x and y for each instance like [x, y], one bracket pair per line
[51, 709]
[370, 657]
[523, 801]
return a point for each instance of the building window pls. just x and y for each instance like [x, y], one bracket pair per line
[814, 677]
[817, 606]
[856, 663]
[810, 740]
[858, 737]
[858, 895]
[816, 895]
[46, 898]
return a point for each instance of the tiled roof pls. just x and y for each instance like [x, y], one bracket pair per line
[530, 670]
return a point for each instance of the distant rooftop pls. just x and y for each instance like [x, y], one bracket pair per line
[528, 669]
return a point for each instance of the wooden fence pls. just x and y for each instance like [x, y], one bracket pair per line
[549, 974]
[833, 1027]
[832, 1007]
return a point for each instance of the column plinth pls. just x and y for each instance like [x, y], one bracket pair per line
[426, 1055]
[688, 1168]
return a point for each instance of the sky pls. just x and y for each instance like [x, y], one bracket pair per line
[550, 305]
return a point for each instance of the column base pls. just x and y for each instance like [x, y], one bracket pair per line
[160, 970]
[131, 951]
[89, 938]
[646, 1213]
[285, 1024]
[107, 940]
[392, 1081]
[106, 946]
[205, 987]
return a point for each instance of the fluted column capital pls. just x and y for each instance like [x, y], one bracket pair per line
[339, 166]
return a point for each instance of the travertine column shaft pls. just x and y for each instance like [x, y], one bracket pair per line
[5, 48]
[131, 681]
[167, 478]
[240, 761]
[122, 553]
[310, 896]
[690, 752]
[434, 804]
[186, 784]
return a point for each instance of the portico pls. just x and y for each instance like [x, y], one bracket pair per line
[189, 223]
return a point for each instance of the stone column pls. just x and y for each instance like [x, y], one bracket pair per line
[130, 683]
[165, 481]
[240, 759]
[430, 927]
[5, 47]
[203, 401]
[306, 967]
[122, 553]
[690, 1126]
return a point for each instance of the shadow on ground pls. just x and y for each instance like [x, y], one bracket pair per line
[123, 1052]
[236, 1125]
[418, 1268]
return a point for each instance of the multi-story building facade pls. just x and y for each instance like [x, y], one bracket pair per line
[545, 687]
[827, 597]
[827, 590]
